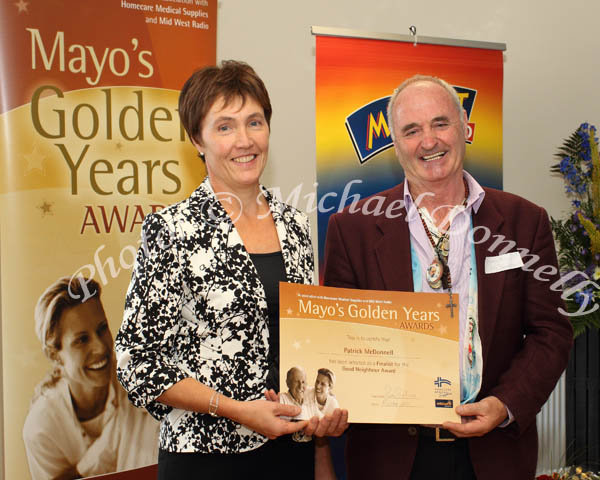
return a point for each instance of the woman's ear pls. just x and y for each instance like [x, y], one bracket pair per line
[199, 147]
[197, 142]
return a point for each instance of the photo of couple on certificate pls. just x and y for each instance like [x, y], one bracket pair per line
[317, 400]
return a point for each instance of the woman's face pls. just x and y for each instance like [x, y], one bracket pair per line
[235, 143]
[322, 386]
[86, 345]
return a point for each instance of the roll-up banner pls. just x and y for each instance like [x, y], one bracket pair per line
[357, 72]
[90, 143]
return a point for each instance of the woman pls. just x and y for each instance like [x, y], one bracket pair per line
[320, 400]
[198, 345]
[80, 422]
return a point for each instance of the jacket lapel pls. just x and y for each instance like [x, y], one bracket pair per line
[208, 209]
[392, 249]
[292, 242]
[486, 224]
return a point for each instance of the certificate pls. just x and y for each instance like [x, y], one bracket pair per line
[386, 356]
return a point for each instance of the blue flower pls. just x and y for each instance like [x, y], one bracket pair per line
[565, 164]
[584, 296]
[579, 298]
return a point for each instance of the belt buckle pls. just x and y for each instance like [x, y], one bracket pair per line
[440, 439]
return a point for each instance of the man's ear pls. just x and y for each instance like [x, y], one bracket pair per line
[395, 149]
[465, 126]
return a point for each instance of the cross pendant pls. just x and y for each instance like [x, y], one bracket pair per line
[451, 305]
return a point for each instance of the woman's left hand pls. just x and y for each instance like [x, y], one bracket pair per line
[332, 425]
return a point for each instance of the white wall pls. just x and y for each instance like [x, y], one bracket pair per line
[551, 76]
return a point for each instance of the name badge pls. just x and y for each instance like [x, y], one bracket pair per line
[503, 262]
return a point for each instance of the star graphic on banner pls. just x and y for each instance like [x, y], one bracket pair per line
[46, 208]
[289, 311]
[34, 161]
[443, 330]
[438, 305]
[297, 345]
[22, 6]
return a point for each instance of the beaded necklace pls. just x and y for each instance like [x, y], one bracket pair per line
[438, 272]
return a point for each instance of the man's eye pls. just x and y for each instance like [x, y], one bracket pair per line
[255, 123]
[223, 128]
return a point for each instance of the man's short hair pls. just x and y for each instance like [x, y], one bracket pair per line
[423, 78]
[290, 373]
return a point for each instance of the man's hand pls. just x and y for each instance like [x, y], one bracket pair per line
[481, 417]
[330, 425]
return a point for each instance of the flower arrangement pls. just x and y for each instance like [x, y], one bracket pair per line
[578, 236]
[569, 473]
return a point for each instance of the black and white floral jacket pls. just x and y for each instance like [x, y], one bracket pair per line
[196, 308]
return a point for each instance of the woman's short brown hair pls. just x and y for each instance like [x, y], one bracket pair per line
[231, 80]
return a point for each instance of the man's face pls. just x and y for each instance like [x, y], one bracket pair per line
[429, 137]
[297, 385]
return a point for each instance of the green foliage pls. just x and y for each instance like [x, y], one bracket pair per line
[578, 236]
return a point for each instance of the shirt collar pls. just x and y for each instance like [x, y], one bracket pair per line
[476, 194]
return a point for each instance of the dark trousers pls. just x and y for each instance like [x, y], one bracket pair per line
[281, 457]
[442, 460]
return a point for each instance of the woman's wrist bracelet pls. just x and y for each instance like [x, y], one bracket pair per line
[213, 404]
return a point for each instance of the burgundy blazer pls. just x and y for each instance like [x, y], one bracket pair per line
[525, 340]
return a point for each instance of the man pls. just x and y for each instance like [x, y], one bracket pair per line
[296, 382]
[514, 344]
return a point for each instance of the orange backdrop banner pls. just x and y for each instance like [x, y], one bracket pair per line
[91, 143]
[355, 78]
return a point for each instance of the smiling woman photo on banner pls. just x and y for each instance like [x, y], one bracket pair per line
[80, 422]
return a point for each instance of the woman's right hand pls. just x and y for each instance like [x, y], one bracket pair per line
[263, 416]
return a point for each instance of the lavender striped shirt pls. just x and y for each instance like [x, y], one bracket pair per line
[459, 258]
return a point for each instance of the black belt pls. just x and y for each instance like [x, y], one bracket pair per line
[439, 434]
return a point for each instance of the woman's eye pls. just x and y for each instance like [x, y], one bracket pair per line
[102, 328]
[81, 340]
